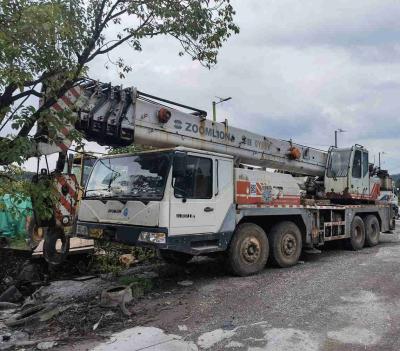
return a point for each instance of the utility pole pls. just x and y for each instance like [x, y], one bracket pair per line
[379, 158]
[214, 106]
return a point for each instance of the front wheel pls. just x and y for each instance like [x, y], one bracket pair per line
[248, 251]
[286, 244]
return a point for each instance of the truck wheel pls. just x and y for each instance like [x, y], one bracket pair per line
[372, 230]
[248, 250]
[174, 257]
[357, 234]
[286, 244]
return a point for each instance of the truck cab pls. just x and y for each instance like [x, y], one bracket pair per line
[347, 175]
[177, 198]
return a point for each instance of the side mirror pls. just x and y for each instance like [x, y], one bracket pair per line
[179, 166]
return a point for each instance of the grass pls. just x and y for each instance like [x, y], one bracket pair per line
[107, 254]
[140, 286]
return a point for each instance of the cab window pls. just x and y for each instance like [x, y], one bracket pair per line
[357, 164]
[365, 164]
[197, 181]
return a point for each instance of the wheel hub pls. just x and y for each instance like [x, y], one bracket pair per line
[251, 249]
[289, 244]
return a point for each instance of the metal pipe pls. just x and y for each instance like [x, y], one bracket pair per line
[200, 112]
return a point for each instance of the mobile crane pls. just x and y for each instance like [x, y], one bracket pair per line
[210, 188]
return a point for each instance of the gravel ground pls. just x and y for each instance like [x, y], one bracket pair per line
[336, 300]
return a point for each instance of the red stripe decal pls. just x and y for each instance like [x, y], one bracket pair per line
[67, 101]
[57, 107]
[74, 92]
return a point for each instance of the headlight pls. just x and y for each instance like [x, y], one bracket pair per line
[81, 230]
[150, 237]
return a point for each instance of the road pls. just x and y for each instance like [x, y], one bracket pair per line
[337, 300]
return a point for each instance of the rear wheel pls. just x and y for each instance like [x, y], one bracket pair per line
[248, 251]
[174, 257]
[286, 244]
[357, 234]
[372, 230]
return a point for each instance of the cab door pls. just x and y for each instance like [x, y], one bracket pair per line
[359, 180]
[192, 199]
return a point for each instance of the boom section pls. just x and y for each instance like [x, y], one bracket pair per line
[115, 116]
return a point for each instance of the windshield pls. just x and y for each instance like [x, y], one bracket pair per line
[338, 163]
[140, 176]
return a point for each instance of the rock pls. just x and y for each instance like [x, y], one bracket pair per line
[12, 294]
[46, 345]
[185, 283]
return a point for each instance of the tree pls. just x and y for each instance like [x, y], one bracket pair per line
[46, 46]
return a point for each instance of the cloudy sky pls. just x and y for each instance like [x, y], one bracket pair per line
[297, 70]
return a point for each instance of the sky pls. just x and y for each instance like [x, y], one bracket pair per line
[298, 69]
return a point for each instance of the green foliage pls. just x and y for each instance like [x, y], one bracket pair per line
[46, 46]
[107, 256]
[130, 149]
[42, 193]
[140, 286]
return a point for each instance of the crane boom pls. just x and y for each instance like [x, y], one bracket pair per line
[114, 116]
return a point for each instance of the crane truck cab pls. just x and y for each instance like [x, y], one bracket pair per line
[180, 199]
[348, 176]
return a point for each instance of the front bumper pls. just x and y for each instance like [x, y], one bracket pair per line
[125, 234]
[194, 244]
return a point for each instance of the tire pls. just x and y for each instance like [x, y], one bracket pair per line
[286, 244]
[50, 253]
[372, 230]
[357, 234]
[174, 257]
[248, 250]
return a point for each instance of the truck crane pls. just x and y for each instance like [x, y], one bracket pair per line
[209, 188]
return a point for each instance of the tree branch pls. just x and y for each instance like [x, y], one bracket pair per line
[121, 41]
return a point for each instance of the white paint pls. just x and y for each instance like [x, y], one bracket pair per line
[361, 296]
[389, 254]
[233, 344]
[353, 335]
[281, 339]
[209, 339]
[364, 319]
[148, 338]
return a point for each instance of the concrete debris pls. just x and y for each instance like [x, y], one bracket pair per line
[17, 339]
[31, 315]
[12, 294]
[117, 296]
[46, 345]
[97, 324]
[84, 278]
[185, 283]
[8, 306]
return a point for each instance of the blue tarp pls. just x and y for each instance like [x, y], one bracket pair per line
[14, 216]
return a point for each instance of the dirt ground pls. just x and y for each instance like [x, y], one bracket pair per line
[336, 300]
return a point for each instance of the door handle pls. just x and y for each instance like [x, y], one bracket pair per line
[208, 209]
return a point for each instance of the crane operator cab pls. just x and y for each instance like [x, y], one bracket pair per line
[347, 175]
